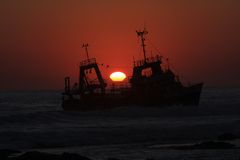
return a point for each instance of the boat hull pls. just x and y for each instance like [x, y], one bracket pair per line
[185, 96]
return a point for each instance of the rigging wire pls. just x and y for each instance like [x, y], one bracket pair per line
[169, 64]
[159, 52]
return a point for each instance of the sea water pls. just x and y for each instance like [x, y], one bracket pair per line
[36, 121]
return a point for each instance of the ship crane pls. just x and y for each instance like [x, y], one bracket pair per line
[90, 64]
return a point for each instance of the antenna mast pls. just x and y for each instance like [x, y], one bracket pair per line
[86, 49]
[142, 34]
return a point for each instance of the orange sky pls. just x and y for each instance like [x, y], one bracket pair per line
[40, 40]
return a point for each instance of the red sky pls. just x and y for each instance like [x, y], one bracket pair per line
[40, 40]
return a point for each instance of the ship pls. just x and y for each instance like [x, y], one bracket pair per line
[150, 85]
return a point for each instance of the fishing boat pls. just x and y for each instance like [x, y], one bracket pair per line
[150, 85]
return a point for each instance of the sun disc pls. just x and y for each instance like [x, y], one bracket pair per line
[117, 76]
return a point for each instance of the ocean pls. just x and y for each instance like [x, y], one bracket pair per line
[35, 121]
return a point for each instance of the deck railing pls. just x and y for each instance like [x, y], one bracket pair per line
[88, 62]
[152, 59]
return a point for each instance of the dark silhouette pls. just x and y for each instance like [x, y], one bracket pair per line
[227, 137]
[205, 145]
[36, 155]
[150, 85]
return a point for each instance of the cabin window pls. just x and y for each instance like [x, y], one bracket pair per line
[147, 72]
[91, 76]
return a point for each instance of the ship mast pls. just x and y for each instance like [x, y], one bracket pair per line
[86, 49]
[141, 35]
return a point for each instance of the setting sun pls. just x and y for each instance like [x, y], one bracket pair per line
[117, 76]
